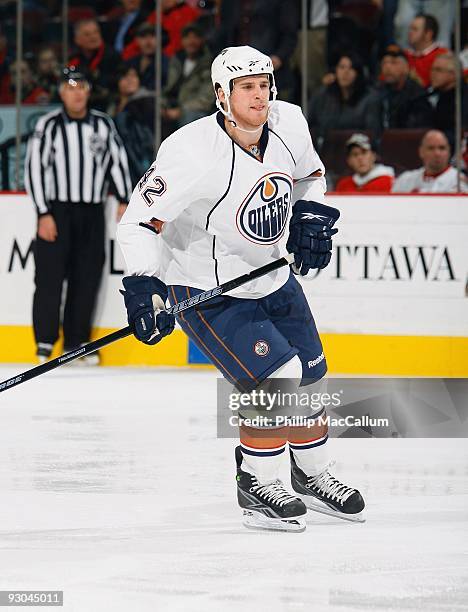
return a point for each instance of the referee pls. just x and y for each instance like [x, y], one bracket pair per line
[73, 156]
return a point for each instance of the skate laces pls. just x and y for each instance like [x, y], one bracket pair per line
[330, 486]
[273, 492]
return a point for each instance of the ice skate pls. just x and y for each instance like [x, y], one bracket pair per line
[267, 506]
[43, 351]
[325, 494]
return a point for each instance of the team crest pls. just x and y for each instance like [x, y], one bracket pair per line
[263, 215]
[261, 348]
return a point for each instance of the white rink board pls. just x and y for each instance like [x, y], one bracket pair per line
[400, 266]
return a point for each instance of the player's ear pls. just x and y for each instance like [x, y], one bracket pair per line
[221, 95]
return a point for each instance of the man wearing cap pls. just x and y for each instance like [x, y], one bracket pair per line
[73, 156]
[402, 102]
[368, 176]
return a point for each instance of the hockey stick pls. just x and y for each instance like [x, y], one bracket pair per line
[127, 331]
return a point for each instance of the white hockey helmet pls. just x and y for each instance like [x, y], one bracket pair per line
[235, 62]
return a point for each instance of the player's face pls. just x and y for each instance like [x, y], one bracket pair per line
[361, 160]
[435, 152]
[249, 100]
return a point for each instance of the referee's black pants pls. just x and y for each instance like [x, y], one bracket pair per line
[78, 256]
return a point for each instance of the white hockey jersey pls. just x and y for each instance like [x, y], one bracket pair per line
[225, 213]
[417, 181]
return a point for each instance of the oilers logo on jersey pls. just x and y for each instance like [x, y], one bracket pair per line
[263, 215]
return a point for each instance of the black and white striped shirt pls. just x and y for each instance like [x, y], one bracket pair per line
[74, 160]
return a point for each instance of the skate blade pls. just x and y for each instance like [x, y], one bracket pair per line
[317, 506]
[255, 520]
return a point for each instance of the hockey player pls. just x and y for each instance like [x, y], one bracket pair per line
[227, 194]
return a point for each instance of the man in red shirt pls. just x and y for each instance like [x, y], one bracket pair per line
[368, 175]
[176, 14]
[422, 37]
[96, 60]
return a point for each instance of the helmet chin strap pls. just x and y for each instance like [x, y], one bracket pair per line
[230, 117]
[237, 127]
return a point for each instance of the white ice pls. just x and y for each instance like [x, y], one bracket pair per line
[115, 489]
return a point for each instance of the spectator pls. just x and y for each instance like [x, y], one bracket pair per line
[368, 176]
[443, 11]
[441, 95]
[188, 94]
[144, 61]
[134, 119]
[176, 14]
[31, 93]
[244, 23]
[346, 104]
[128, 83]
[424, 48]
[436, 175]
[402, 100]
[97, 60]
[48, 72]
[122, 23]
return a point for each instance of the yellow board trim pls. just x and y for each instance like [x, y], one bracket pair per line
[346, 353]
[439, 356]
[17, 346]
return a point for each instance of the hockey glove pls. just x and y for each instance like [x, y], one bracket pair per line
[310, 234]
[145, 298]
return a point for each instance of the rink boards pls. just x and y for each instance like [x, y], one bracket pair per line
[393, 301]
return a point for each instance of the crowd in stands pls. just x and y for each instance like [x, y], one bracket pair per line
[372, 66]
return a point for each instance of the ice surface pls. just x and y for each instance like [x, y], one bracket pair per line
[115, 490]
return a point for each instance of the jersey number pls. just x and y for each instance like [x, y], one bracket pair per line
[150, 192]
